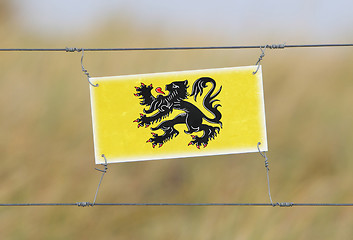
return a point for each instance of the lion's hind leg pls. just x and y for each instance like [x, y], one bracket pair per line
[209, 133]
[169, 130]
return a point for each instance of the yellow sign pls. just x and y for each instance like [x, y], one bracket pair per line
[178, 114]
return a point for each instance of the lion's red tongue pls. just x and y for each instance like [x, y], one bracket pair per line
[159, 90]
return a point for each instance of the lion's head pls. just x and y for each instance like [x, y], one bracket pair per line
[178, 89]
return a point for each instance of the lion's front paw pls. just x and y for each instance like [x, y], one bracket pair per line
[143, 121]
[143, 90]
[156, 140]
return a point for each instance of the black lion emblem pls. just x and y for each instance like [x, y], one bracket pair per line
[161, 106]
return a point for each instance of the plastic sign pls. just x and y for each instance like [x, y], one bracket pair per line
[178, 114]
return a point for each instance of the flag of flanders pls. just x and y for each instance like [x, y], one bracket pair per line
[178, 114]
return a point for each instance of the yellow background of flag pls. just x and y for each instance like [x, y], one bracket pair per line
[114, 107]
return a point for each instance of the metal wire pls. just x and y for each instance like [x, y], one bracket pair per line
[82, 67]
[36, 204]
[103, 172]
[258, 63]
[272, 46]
[88, 204]
[263, 154]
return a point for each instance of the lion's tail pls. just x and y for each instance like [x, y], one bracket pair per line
[209, 99]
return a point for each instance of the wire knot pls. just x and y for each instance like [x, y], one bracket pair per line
[105, 164]
[67, 49]
[263, 48]
[276, 46]
[84, 204]
[263, 154]
[85, 71]
[267, 164]
[260, 59]
[283, 204]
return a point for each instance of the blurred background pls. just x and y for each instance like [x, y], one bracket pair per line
[46, 139]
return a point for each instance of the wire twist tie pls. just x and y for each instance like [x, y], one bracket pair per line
[263, 48]
[283, 204]
[103, 172]
[67, 49]
[276, 46]
[105, 164]
[263, 154]
[84, 204]
[85, 71]
[260, 59]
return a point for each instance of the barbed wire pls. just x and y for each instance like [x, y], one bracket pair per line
[271, 46]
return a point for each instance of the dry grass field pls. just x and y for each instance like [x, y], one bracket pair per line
[46, 146]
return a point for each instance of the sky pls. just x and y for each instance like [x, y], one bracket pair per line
[313, 20]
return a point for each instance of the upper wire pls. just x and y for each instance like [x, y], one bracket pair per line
[271, 46]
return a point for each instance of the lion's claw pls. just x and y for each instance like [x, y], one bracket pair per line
[198, 142]
[156, 140]
[143, 121]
